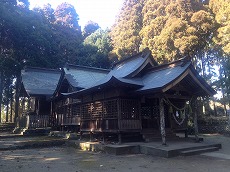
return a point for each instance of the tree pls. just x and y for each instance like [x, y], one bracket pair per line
[97, 48]
[171, 29]
[125, 32]
[221, 39]
[90, 28]
[66, 15]
[221, 9]
[175, 29]
[23, 3]
[25, 40]
[47, 12]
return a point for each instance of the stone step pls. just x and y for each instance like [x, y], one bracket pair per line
[36, 132]
[197, 151]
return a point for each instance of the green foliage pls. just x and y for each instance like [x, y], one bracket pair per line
[171, 29]
[101, 40]
[98, 46]
[125, 33]
[90, 28]
[221, 9]
[66, 15]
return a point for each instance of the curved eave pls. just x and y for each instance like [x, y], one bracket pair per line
[143, 65]
[61, 79]
[23, 92]
[199, 80]
[206, 90]
[112, 82]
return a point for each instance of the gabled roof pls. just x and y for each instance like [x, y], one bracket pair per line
[164, 77]
[143, 75]
[82, 76]
[158, 77]
[39, 81]
[131, 66]
[126, 70]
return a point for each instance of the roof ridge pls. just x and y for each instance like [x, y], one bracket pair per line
[142, 53]
[86, 67]
[30, 68]
[183, 61]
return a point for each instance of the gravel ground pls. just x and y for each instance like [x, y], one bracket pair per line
[61, 159]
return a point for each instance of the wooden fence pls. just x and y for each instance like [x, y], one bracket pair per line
[32, 121]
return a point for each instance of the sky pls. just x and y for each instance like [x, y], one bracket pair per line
[103, 12]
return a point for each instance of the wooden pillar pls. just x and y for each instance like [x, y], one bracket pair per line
[195, 110]
[80, 135]
[119, 120]
[103, 137]
[28, 121]
[162, 121]
[195, 122]
[119, 138]
[186, 133]
[91, 136]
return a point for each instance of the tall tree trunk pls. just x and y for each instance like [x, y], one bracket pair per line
[17, 91]
[7, 111]
[11, 109]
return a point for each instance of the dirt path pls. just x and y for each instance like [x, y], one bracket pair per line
[61, 159]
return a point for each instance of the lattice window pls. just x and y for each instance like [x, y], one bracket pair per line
[97, 109]
[146, 112]
[110, 109]
[129, 109]
[86, 111]
[156, 111]
[76, 110]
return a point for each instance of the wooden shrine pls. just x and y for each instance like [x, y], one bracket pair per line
[137, 97]
[140, 96]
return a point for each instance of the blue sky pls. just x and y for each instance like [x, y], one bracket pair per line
[103, 12]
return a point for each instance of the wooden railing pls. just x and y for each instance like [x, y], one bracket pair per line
[99, 124]
[32, 121]
[130, 124]
[72, 120]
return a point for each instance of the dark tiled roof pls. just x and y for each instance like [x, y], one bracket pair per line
[130, 65]
[141, 74]
[38, 81]
[82, 76]
[161, 77]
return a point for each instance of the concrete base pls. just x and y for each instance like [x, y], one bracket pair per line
[36, 132]
[172, 149]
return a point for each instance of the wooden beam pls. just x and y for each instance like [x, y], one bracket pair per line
[162, 121]
[176, 81]
[180, 88]
[198, 82]
[170, 96]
